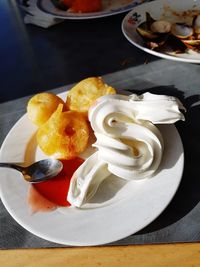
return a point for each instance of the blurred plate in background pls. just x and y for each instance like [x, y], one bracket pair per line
[110, 7]
[170, 10]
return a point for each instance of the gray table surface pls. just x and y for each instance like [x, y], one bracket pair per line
[180, 222]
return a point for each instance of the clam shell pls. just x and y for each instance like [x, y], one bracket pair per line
[181, 30]
[161, 26]
[146, 33]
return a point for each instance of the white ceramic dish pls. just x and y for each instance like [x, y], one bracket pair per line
[118, 210]
[171, 10]
[110, 7]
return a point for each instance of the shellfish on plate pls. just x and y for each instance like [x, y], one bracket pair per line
[165, 36]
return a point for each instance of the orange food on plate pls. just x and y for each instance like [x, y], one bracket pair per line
[86, 6]
[65, 135]
[82, 96]
[41, 106]
[67, 3]
[83, 6]
[63, 128]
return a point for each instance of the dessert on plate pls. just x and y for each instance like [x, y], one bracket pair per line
[127, 141]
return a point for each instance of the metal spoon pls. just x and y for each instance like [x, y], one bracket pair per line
[39, 171]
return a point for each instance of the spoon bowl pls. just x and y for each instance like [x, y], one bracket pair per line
[39, 171]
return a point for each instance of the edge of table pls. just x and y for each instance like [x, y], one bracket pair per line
[180, 254]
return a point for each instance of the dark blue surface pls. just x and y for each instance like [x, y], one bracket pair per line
[34, 59]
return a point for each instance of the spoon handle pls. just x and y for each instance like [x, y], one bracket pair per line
[12, 166]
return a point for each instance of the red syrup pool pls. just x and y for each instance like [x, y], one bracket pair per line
[48, 195]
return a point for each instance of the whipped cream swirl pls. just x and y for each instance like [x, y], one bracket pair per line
[128, 143]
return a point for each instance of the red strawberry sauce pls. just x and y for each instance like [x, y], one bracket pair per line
[48, 195]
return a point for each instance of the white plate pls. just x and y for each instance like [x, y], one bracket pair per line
[119, 209]
[171, 10]
[110, 7]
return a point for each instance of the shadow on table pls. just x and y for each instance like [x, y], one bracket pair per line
[187, 196]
